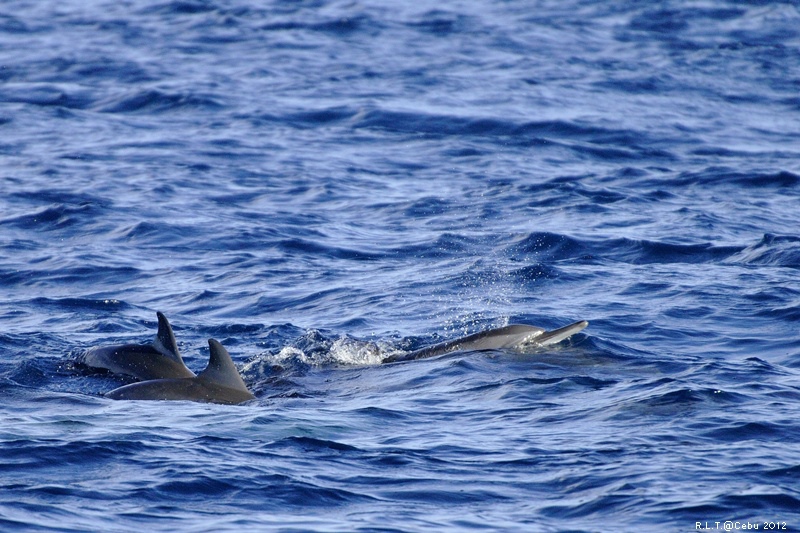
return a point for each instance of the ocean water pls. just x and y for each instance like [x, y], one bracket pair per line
[317, 184]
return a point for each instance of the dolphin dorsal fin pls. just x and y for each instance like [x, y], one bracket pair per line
[220, 369]
[165, 341]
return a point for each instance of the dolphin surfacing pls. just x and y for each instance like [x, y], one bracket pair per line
[493, 339]
[157, 360]
[220, 382]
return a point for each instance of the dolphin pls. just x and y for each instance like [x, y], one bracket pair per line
[157, 360]
[494, 339]
[220, 382]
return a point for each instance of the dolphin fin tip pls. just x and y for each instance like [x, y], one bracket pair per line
[221, 368]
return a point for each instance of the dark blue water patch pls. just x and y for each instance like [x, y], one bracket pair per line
[539, 271]
[12, 24]
[12, 278]
[559, 385]
[791, 473]
[58, 197]
[196, 487]
[303, 495]
[320, 117]
[646, 252]
[80, 69]
[649, 288]
[44, 453]
[688, 313]
[275, 335]
[441, 496]
[661, 21]
[505, 131]
[19, 525]
[545, 246]
[485, 273]
[663, 403]
[182, 7]
[614, 351]
[687, 396]
[428, 207]
[763, 368]
[759, 431]
[789, 313]
[601, 196]
[559, 191]
[32, 373]
[668, 23]
[445, 245]
[383, 414]
[236, 331]
[660, 84]
[81, 304]
[765, 502]
[339, 27]
[718, 152]
[442, 23]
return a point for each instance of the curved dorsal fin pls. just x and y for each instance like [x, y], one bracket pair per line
[220, 369]
[165, 341]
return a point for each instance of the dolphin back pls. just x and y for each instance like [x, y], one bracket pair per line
[157, 360]
[220, 382]
[187, 389]
[503, 338]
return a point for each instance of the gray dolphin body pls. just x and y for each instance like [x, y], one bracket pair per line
[157, 360]
[494, 339]
[220, 382]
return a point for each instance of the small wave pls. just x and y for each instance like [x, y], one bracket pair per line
[313, 247]
[721, 176]
[549, 247]
[444, 245]
[47, 95]
[646, 252]
[157, 233]
[552, 247]
[54, 217]
[311, 444]
[154, 101]
[599, 505]
[772, 250]
[444, 125]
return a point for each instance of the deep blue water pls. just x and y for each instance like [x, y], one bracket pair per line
[317, 184]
